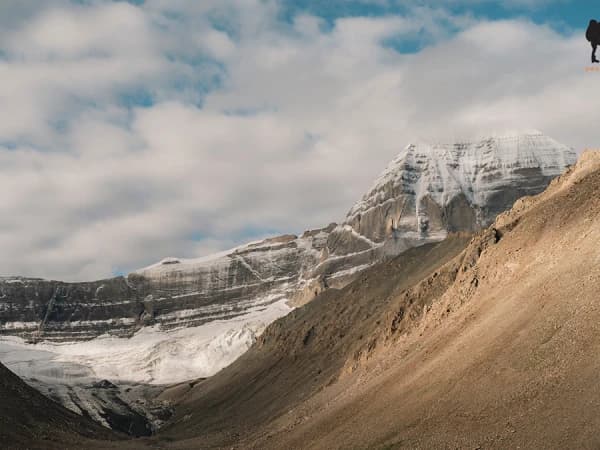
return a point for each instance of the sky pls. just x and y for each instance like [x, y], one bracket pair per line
[132, 131]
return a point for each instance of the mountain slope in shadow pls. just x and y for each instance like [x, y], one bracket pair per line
[30, 420]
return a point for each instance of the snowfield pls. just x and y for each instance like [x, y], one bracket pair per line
[152, 355]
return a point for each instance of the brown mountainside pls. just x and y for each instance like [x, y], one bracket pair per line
[495, 347]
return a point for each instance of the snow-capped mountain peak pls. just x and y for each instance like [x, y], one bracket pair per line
[435, 188]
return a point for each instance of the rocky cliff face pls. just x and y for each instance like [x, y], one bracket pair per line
[430, 190]
[183, 319]
[172, 293]
[36, 308]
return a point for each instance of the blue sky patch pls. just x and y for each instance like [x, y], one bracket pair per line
[565, 16]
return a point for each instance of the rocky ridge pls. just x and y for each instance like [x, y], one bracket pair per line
[171, 294]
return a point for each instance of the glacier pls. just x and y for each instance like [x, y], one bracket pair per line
[109, 377]
[151, 356]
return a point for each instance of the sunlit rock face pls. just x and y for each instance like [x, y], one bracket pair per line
[430, 190]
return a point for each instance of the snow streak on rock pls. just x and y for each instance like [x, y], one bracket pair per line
[429, 190]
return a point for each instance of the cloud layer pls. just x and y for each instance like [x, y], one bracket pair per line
[133, 132]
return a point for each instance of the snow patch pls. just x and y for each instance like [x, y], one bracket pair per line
[152, 355]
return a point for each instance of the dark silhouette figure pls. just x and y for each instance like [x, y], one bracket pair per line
[593, 36]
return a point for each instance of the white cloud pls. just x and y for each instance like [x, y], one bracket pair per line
[81, 31]
[256, 126]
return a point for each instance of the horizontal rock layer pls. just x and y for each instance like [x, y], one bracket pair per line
[172, 293]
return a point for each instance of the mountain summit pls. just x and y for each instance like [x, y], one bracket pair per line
[430, 190]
